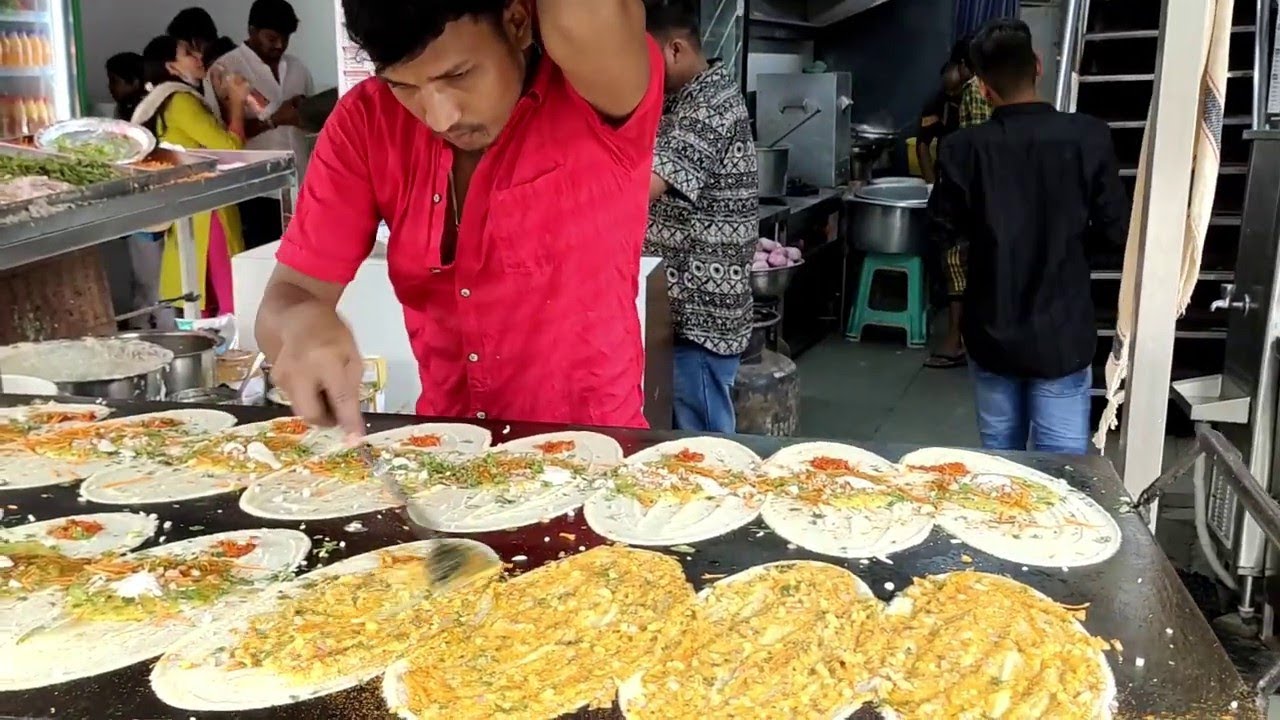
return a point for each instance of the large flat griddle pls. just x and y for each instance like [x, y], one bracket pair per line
[1135, 596]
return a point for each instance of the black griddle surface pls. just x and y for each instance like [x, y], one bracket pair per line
[1134, 597]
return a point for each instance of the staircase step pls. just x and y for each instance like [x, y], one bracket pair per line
[1104, 35]
[1140, 124]
[1148, 77]
[1224, 169]
[1205, 275]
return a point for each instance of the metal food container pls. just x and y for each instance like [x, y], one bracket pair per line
[76, 366]
[890, 219]
[772, 166]
[194, 360]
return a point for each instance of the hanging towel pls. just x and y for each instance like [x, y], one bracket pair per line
[1206, 159]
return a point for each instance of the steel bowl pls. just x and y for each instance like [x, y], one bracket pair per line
[194, 364]
[61, 137]
[773, 283]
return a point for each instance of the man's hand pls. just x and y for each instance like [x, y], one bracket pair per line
[319, 368]
[602, 48]
[287, 114]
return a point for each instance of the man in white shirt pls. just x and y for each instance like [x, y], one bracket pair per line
[282, 81]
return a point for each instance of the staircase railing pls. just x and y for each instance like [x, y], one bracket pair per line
[1261, 63]
[1074, 21]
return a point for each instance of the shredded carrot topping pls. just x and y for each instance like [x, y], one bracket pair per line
[235, 549]
[424, 441]
[688, 456]
[556, 447]
[289, 426]
[74, 529]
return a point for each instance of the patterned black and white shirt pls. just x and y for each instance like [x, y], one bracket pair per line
[705, 227]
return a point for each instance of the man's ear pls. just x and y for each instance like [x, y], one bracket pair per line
[1039, 66]
[517, 19]
[987, 92]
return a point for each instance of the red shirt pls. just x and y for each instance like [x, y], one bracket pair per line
[535, 319]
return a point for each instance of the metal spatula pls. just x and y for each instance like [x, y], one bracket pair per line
[450, 564]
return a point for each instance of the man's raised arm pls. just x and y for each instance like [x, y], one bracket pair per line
[602, 48]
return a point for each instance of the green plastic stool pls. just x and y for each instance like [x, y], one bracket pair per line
[914, 319]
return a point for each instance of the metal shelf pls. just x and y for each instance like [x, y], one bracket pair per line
[25, 72]
[241, 175]
[24, 16]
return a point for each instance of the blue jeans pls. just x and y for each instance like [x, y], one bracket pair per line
[703, 389]
[1054, 414]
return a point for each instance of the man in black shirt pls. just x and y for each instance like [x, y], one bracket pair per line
[1028, 191]
[940, 118]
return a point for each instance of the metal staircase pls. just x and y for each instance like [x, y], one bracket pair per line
[1116, 62]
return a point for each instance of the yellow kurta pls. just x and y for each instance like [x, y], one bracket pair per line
[187, 122]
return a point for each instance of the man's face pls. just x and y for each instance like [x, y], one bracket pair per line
[120, 88]
[680, 61]
[466, 83]
[269, 44]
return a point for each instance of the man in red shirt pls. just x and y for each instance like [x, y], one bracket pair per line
[507, 145]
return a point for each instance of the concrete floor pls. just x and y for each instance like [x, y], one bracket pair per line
[881, 391]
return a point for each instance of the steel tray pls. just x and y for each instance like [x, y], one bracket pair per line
[130, 180]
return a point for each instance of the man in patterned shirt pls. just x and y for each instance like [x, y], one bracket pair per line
[703, 218]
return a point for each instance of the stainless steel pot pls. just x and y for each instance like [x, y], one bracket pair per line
[194, 361]
[889, 219]
[56, 360]
[772, 163]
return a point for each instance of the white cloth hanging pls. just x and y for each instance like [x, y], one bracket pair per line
[1206, 161]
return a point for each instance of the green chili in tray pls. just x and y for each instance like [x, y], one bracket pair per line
[74, 172]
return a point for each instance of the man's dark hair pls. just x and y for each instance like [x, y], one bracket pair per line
[126, 65]
[217, 49]
[193, 24]
[960, 53]
[668, 18]
[277, 15]
[1004, 57]
[393, 31]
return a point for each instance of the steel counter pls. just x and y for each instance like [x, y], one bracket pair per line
[1171, 664]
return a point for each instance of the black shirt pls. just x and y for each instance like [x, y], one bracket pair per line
[947, 111]
[1028, 191]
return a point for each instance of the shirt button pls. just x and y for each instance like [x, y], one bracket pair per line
[464, 293]
[473, 357]
[480, 415]
[436, 198]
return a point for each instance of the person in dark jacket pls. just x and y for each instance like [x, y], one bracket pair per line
[1028, 191]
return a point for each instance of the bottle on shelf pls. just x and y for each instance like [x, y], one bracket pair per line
[6, 122]
[46, 51]
[35, 114]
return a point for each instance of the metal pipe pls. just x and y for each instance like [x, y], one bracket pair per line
[1071, 23]
[1261, 63]
[1261, 506]
[1066, 61]
[1202, 525]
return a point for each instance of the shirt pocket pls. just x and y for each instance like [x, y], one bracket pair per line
[527, 221]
